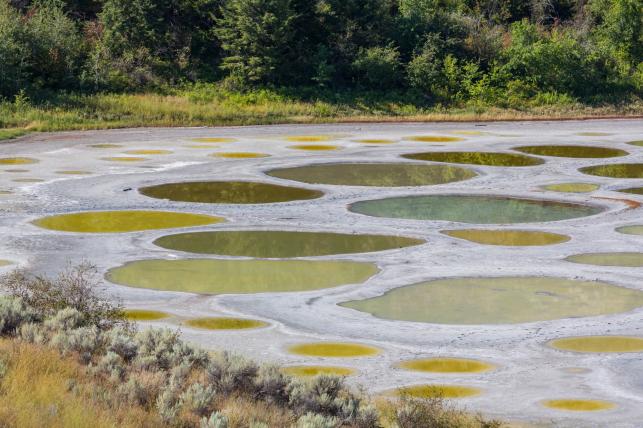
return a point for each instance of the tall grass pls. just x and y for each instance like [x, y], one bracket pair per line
[209, 105]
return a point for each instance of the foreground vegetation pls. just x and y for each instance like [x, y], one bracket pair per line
[118, 63]
[68, 358]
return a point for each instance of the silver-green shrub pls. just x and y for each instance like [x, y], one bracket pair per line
[314, 420]
[216, 420]
[232, 373]
[197, 399]
[14, 313]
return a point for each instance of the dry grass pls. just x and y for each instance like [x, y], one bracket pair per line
[209, 106]
[42, 389]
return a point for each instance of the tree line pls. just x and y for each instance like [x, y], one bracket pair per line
[443, 50]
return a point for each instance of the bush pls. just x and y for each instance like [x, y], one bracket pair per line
[216, 420]
[14, 51]
[312, 420]
[85, 341]
[75, 288]
[271, 384]
[197, 399]
[13, 314]
[163, 350]
[378, 67]
[232, 373]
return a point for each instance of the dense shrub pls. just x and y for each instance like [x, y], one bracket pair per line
[378, 67]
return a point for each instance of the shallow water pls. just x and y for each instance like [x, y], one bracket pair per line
[437, 391]
[312, 371]
[229, 192]
[5, 263]
[473, 209]
[374, 174]
[572, 151]
[214, 140]
[599, 344]
[124, 159]
[240, 155]
[508, 237]
[622, 170]
[315, 147]
[105, 146]
[18, 161]
[477, 158]
[502, 300]
[148, 152]
[609, 259]
[281, 244]
[376, 141]
[434, 139]
[572, 187]
[211, 276]
[334, 350]
[28, 180]
[73, 172]
[446, 365]
[631, 230]
[310, 138]
[636, 143]
[144, 315]
[633, 190]
[578, 405]
[123, 221]
[225, 323]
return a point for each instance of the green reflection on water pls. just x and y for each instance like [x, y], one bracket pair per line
[374, 174]
[280, 244]
[210, 276]
[228, 192]
[472, 209]
[572, 151]
[619, 170]
[505, 300]
[608, 259]
[477, 158]
[508, 237]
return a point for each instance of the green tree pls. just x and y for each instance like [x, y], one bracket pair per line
[256, 36]
[147, 41]
[14, 50]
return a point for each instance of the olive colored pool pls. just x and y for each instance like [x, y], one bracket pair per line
[434, 139]
[572, 187]
[516, 238]
[240, 155]
[312, 371]
[374, 174]
[225, 323]
[619, 170]
[17, 161]
[633, 190]
[281, 244]
[315, 147]
[609, 259]
[211, 276]
[437, 391]
[229, 192]
[572, 151]
[144, 315]
[478, 209]
[123, 221]
[599, 344]
[477, 158]
[578, 405]
[502, 300]
[446, 365]
[334, 350]
[631, 230]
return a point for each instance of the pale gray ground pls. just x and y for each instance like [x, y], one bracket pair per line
[528, 371]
